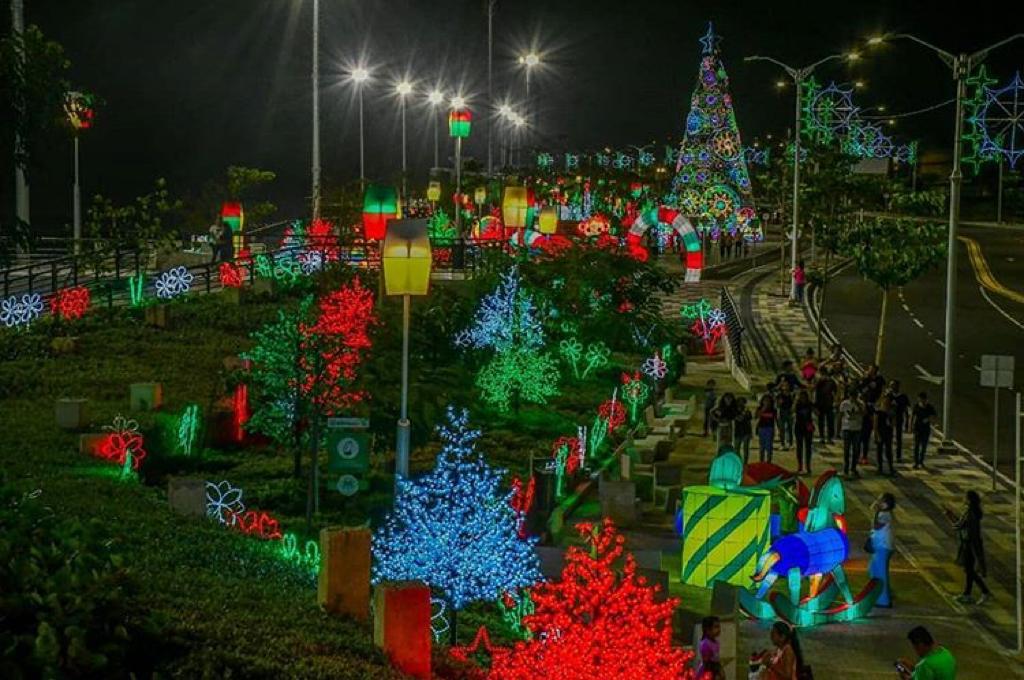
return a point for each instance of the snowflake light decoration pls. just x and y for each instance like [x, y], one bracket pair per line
[311, 261]
[173, 283]
[996, 118]
[20, 311]
[829, 112]
[223, 501]
[654, 367]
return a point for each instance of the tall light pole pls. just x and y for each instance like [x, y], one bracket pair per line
[359, 76]
[505, 111]
[434, 99]
[529, 61]
[458, 131]
[961, 66]
[78, 109]
[403, 89]
[490, 81]
[316, 110]
[799, 75]
[21, 196]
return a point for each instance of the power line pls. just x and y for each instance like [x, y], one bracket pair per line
[911, 113]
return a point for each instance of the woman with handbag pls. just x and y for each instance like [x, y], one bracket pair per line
[971, 551]
[880, 545]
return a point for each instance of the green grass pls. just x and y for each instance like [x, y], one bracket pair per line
[226, 603]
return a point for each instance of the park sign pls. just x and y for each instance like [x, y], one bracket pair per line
[348, 452]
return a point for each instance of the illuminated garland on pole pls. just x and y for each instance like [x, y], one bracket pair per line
[454, 529]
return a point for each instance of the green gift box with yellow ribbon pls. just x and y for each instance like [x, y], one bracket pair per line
[725, 532]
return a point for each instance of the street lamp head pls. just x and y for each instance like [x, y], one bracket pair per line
[505, 111]
[360, 74]
[876, 40]
[518, 120]
[853, 56]
[458, 102]
[435, 97]
[859, 84]
[881, 107]
[530, 59]
[780, 84]
[403, 88]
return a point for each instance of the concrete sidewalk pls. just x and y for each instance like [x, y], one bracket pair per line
[925, 539]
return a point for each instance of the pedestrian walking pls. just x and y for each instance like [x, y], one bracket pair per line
[809, 366]
[216, 232]
[881, 544]
[788, 375]
[710, 667]
[851, 416]
[799, 281]
[901, 411]
[883, 425]
[743, 429]
[970, 548]
[710, 398]
[921, 424]
[824, 404]
[766, 420]
[722, 416]
[784, 402]
[803, 429]
[227, 244]
[935, 662]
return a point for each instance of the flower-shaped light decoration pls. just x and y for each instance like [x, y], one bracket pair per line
[173, 282]
[654, 367]
[230, 275]
[716, 317]
[223, 501]
[70, 303]
[311, 261]
[696, 310]
[597, 357]
[15, 311]
[123, 443]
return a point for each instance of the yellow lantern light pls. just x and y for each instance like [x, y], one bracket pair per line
[434, 191]
[515, 206]
[480, 196]
[406, 257]
[548, 219]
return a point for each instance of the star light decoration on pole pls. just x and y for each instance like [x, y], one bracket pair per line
[996, 120]
[707, 322]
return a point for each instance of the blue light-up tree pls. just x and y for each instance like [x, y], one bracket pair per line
[454, 528]
[507, 324]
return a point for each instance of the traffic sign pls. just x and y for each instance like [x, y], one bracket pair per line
[347, 485]
[348, 451]
[997, 370]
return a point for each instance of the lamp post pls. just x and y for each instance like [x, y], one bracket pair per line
[518, 122]
[21, 187]
[403, 89]
[359, 76]
[406, 261]
[529, 61]
[459, 122]
[490, 80]
[505, 111]
[799, 75]
[961, 66]
[78, 108]
[434, 99]
[316, 110]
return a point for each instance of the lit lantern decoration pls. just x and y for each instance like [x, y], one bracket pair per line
[459, 123]
[78, 106]
[406, 258]
[515, 207]
[480, 195]
[231, 213]
[488, 228]
[548, 219]
[380, 204]
[434, 191]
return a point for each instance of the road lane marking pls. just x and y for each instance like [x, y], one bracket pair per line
[999, 309]
[984, 275]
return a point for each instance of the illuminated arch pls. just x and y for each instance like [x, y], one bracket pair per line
[682, 226]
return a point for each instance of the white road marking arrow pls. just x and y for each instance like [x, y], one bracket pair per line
[926, 376]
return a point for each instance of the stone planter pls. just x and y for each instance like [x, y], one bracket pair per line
[158, 316]
[64, 345]
[187, 496]
[145, 396]
[70, 413]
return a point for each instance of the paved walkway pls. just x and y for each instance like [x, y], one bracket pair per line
[924, 537]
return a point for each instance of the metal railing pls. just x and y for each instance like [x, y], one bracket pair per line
[734, 326]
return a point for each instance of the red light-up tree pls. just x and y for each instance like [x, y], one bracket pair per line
[601, 620]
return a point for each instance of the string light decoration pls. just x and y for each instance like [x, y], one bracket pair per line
[654, 367]
[136, 286]
[308, 558]
[996, 120]
[230, 275]
[613, 413]
[70, 303]
[20, 311]
[255, 523]
[710, 162]
[173, 283]
[601, 619]
[521, 501]
[453, 528]
[439, 624]
[514, 607]
[828, 112]
[223, 501]
[123, 444]
[506, 323]
[596, 356]
[634, 392]
[188, 428]
[440, 227]
[706, 322]
[756, 155]
[567, 455]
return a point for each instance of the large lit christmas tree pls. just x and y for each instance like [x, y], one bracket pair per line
[455, 528]
[711, 182]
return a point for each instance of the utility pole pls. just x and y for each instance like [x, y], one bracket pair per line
[316, 109]
[490, 81]
[21, 195]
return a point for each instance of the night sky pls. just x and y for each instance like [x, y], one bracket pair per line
[191, 86]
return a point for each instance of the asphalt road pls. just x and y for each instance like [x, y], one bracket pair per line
[990, 320]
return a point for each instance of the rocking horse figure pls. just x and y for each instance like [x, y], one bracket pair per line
[816, 552]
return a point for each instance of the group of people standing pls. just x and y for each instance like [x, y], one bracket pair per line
[801, 403]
